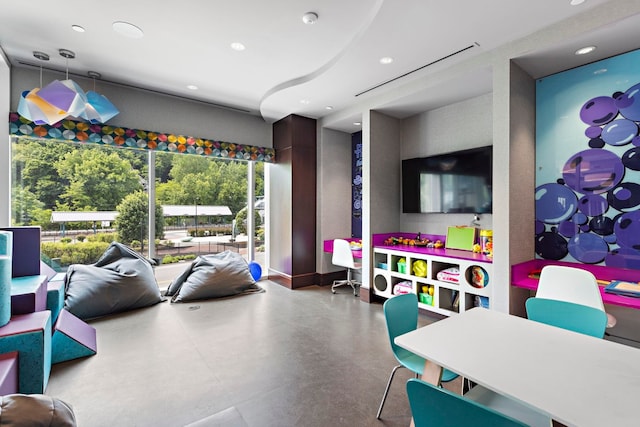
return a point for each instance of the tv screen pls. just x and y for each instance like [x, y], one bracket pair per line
[458, 182]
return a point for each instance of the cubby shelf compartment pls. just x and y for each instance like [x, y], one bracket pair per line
[472, 288]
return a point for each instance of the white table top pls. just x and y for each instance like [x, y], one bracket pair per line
[576, 379]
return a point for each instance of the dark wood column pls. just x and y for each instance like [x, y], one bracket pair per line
[293, 203]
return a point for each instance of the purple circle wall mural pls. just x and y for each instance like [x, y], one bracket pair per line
[590, 212]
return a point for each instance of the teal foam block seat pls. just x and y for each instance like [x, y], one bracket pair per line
[55, 296]
[72, 338]
[8, 373]
[5, 289]
[6, 249]
[29, 335]
[28, 294]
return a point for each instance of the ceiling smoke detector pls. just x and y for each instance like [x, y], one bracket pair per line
[310, 18]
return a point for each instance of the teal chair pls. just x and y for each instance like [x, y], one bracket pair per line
[567, 315]
[401, 316]
[438, 407]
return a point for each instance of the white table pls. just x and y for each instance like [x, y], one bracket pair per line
[576, 379]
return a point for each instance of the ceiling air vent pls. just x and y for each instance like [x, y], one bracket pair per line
[418, 69]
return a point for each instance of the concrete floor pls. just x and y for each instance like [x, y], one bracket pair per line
[279, 358]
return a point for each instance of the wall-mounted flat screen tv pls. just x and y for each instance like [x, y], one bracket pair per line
[458, 182]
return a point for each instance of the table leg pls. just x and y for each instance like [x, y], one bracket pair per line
[431, 374]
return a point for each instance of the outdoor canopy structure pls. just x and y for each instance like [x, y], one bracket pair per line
[107, 217]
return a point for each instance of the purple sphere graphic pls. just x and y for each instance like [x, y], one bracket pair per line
[627, 229]
[555, 203]
[625, 196]
[599, 111]
[628, 103]
[593, 205]
[619, 132]
[593, 171]
[588, 248]
[631, 159]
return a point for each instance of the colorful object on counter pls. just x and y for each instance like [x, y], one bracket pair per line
[621, 287]
[419, 268]
[355, 245]
[417, 241]
[461, 237]
[486, 242]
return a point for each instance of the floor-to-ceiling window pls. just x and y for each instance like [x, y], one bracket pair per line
[84, 196]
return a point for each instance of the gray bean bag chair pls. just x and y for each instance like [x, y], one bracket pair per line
[213, 276]
[22, 410]
[120, 280]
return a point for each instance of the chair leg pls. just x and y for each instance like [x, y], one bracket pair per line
[354, 285]
[386, 390]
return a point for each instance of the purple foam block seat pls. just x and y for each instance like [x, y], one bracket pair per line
[26, 244]
[72, 339]
[8, 373]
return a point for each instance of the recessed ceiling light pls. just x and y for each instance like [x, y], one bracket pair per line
[585, 50]
[77, 28]
[328, 107]
[238, 46]
[386, 60]
[576, 2]
[128, 30]
[192, 87]
[305, 101]
[357, 123]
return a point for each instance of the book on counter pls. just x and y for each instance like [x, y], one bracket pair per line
[621, 287]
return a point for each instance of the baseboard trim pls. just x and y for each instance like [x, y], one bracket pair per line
[293, 282]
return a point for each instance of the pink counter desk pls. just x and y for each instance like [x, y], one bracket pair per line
[328, 245]
[378, 242]
[520, 277]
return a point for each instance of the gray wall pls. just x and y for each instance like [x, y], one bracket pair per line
[334, 192]
[459, 126]
[151, 111]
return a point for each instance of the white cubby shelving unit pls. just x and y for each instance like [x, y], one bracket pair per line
[448, 298]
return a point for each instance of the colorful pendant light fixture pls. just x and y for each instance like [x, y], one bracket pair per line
[98, 109]
[64, 99]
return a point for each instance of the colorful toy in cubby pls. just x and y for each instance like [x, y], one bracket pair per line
[72, 338]
[29, 335]
[419, 268]
[426, 296]
[402, 265]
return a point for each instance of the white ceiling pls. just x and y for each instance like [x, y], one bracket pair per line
[288, 66]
